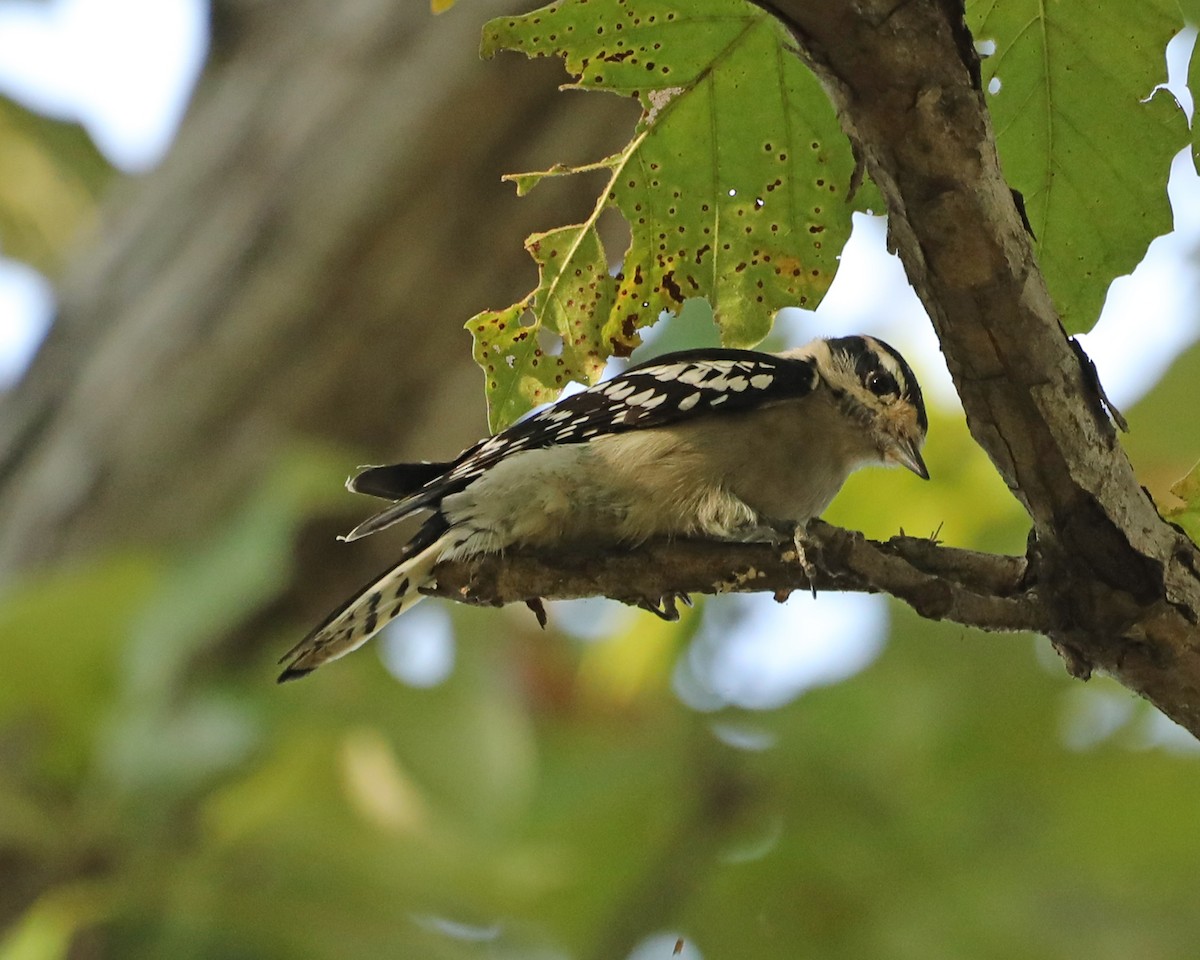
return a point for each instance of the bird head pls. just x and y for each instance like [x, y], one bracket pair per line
[879, 387]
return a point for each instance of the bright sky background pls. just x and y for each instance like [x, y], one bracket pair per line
[124, 69]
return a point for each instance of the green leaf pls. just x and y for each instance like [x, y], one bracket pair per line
[733, 187]
[1083, 135]
[50, 176]
[521, 370]
[1190, 11]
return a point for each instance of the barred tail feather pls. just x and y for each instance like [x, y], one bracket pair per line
[365, 614]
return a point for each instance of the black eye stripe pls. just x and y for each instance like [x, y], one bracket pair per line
[864, 355]
[870, 367]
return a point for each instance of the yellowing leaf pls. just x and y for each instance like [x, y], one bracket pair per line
[530, 350]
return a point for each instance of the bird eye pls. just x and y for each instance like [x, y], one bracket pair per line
[881, 384]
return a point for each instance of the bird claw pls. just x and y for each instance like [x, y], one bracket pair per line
[800, 541]
[664, 607]
[539, 610]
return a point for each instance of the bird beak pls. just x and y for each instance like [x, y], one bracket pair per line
[906, 453]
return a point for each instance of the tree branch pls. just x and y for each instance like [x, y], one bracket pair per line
[940, 583]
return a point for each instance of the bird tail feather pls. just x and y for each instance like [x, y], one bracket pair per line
[396, 481]
[385, 518]
[364, 614]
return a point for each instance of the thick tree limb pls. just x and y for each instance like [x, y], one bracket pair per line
[1119, 584]
[940, 583]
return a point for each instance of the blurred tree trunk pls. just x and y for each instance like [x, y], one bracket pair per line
[301, 265]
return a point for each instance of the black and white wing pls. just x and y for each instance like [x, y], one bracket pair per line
[669, 389]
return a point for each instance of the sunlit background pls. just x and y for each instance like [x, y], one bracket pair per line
[124, 69]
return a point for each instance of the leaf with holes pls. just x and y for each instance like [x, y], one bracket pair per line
[1081, 135]
[733, 186]
[530, 350]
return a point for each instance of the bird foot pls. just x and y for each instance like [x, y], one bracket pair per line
[802, 543]
[539, 610]
[665, 606]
